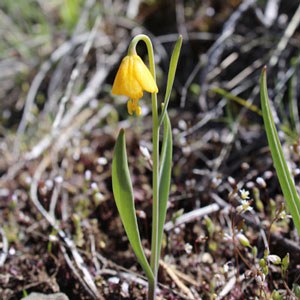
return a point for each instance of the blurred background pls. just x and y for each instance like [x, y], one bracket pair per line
[59, 227]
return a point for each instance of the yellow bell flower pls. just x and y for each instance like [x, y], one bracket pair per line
[133, 106]
[133, 77]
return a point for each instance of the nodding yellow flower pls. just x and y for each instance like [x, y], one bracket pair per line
[133, 77]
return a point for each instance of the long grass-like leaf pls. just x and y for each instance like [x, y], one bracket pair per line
[123, 193]
[171, 77]
[164, 177]
[283, 173]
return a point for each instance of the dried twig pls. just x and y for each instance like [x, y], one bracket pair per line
[290, 30]
[88, 94]
[83, 18]
[76, 274]
[54, 199]
[191, 216]
[177, 280]
[94, 254]
[137, 279]
[133, 8]
[227, 288]
[74, 75]
[4, 251]
[217, 48]
[46, 66]
[180, 18]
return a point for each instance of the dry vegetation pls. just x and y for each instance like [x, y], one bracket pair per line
[59, 227]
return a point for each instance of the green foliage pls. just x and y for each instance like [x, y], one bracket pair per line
[254, 251]
[209, 226]
[258, 203]
[123, 193]
[236, 99]
[162, 164]
[25, 293]
[296, 290]
[276, 295]
[24, 14]
[195, 89]
[171, 77]
[69, 12]
[285, 263]
[164, 177]
[79, 238]
[283, 173]
[11, 232]
[25, 25]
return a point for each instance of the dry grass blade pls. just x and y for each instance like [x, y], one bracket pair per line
[177, 280]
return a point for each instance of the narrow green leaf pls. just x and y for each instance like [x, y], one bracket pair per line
[164, 177]
[123, 193]
[171, 77]
[284, 176]
[237, 99]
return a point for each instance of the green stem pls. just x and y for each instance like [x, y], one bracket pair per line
[155, 206]
[151, 289]
[155, 175]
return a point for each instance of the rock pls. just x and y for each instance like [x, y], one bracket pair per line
[39, 296]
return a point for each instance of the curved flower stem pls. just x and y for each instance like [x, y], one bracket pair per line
[155, 158]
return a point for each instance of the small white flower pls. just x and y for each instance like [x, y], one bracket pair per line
[244, 194]
[188, 248]
[283, 215]
[245, 206]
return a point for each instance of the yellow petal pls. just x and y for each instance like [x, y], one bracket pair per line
[130, 107]
[120, 79]
[125, 82]
[143, 75]
[133, 88]
[138, 110]
[133, 77]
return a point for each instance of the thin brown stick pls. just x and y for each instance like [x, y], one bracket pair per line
[177, 280]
